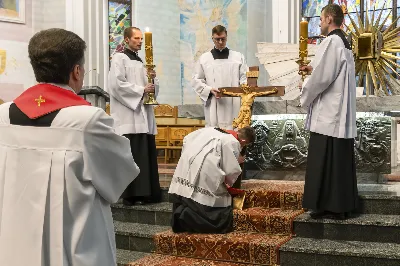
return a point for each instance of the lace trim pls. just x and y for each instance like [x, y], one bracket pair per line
[186, 183]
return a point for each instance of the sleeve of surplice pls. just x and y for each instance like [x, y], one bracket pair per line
[108, 160]
[326, 68]
[199, 84]
[127, 93]
[229, 162]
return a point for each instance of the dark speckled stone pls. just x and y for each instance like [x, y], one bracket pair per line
[140, 235]
[157, 214]
[343, 248]
[379, 204]
[126, 256]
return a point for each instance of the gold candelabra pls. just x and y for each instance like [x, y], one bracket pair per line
[303, 50]
[150, 96]
[148, 47]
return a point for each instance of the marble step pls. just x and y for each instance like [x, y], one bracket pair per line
[136, 237]
[124, 257]
[365, 227]
[379, 204]
[153, 214]
[323, 252]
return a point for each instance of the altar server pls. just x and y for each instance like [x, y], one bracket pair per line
[61, 164]
[221, 67]
[128, 88]
[330, 96]
[209, 164]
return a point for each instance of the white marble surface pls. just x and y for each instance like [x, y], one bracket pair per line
[364, 104]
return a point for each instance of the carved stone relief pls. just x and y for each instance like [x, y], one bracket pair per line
[283, 145]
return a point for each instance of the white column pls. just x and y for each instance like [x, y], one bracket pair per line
[285, 20]
[89, 19]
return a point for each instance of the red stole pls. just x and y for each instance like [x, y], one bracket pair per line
[43, 99]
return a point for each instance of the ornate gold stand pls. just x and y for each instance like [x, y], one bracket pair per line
[303, 62]
[150, 96]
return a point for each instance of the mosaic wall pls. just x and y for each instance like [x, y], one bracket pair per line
[312, 10]
[283, 145]
[119, 18]
[197, 18]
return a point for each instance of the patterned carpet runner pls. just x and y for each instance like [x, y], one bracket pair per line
[261, 228]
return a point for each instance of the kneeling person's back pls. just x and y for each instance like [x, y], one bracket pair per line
[209, 163]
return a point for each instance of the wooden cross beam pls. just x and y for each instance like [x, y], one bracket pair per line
[247, 93]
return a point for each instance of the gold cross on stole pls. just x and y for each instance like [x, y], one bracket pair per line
[40, 100]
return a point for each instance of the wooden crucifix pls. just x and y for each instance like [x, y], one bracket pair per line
[247, 93]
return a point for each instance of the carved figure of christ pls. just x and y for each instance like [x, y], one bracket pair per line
[248, 92]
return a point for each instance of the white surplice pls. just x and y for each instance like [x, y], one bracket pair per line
[210, 73]
[208, 159]
[330, 92]
[56, 187]
[126, 81]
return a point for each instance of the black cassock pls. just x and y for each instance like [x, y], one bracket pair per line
[146, 186]
[330, 182]
[193, 217]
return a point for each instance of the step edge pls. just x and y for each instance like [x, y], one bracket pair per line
[351, 221]
[337, 251]
[138, 232]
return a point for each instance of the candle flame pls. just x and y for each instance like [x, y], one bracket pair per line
[303, 19]
[147, 29]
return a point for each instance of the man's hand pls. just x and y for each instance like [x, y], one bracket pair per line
[149, 88]
[215, 92]
[308, 69]
[152, 74]
[241, 159]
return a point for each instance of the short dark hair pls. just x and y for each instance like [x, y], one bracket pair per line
[128, 32]
[247, 133]
[54, 53]
[336, 12]
[219, 29]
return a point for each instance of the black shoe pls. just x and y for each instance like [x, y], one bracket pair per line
[317, 214]
[336, 216]
[139, 202]
[127, 202]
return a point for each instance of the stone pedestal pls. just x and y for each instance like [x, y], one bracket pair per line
[95, 95]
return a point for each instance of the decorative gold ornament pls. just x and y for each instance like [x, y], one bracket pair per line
[150, 99]
[40, 100]
[375, 53]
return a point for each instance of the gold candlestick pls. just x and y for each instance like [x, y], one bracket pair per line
[303, 51]
[148, 48]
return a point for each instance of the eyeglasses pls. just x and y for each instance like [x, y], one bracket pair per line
[219, 39]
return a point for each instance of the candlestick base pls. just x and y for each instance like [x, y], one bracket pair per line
[303, 62]
[150, 100]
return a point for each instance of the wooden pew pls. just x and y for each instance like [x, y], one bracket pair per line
[171, 131]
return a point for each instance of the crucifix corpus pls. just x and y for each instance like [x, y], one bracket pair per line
[247, 93]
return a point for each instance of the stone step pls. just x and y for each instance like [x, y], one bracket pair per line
[136, 237]
[153, 214]
[124, 257]
[165, 260]
[323, 252]
[251, 220]
[235, 247]
[365, 227]
[379, 204]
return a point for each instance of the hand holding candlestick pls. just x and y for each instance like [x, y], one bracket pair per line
[148, 47]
